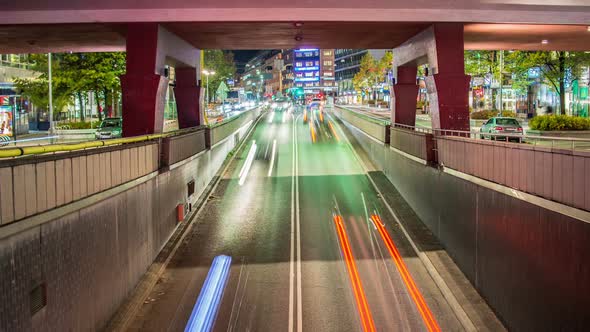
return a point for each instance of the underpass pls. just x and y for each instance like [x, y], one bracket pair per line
[288, 209]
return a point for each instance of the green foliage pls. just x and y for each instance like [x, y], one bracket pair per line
[372, 72]
[72, 75]
[220, 62]
[559, 122]
[558, 68]
[78, 125]
[486, 114]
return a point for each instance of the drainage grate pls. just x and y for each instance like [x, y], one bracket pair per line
[38, 298]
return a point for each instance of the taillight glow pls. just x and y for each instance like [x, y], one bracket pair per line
[417, 297]
[357, 287]
[498, 128]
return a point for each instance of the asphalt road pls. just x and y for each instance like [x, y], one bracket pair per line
[307, 253]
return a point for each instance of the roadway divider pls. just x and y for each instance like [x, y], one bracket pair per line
[372, 126]
[221, 130]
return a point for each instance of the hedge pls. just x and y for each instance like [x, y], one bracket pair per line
[78, 125]
[486, 114]
[559, 122]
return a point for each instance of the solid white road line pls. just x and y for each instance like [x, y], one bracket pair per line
[298, 220]
[272, 157]
[271, 117]
[292, 257]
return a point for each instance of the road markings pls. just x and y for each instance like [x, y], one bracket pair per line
[272, 157]
[295, 258]
[298, 231]
[271, 117]
[436, 277]
[357, 287]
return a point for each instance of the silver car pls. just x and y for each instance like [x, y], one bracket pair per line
[502, 125]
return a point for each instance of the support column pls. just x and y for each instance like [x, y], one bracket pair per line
[405, 94]
[187, 93]
[448, 88]
[441, 46]
[143, 90]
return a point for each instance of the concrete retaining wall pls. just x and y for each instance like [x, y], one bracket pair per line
[527, 259]
[556, 174]
[33, 185]
[89, 255]
[373, 127]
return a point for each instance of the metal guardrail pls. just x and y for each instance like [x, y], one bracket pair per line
[566, 143]
[65, 147]
[82, 145]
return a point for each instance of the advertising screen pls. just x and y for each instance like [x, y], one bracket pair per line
[6, 120]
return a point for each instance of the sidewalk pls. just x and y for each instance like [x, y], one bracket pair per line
[37, 138]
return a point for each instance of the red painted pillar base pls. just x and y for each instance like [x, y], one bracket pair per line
[144, 98]
[187, 93]
[449, 101]
[404, 95]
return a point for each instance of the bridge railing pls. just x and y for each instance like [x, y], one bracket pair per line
[555, 168]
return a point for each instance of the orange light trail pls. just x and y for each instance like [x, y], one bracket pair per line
[312, 132]
[321, 116]
[333, 131]
[425, 312]
[359, 293]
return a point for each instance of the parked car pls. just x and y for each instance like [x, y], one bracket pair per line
[502, 125]
[109, 128]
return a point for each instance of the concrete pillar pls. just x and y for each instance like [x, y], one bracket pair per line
[448, 87]
[144, 90]
[405, 93]
[150, 48]
[441, 47]
[187, 93]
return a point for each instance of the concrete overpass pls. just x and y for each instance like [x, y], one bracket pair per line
[521, 244]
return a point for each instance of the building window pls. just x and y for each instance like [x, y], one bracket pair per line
[327, 53]
[328, 73]
[298, 64]
[308, 63]
[317, 63]
[327, 62]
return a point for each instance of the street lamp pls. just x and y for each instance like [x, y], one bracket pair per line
[207, 73]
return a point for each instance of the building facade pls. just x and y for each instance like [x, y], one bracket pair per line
[347, 64]
[313, 70]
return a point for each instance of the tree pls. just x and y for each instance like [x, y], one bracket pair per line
[37, 89]
[222, 63]
[364, 79]
[73, 75]
[558, 68]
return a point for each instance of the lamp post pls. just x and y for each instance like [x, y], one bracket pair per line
[207, 73]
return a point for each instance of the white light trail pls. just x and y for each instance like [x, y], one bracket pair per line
[247, 163]
[272, 157]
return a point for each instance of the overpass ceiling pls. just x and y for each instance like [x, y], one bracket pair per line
[112, 11]
[275, 35]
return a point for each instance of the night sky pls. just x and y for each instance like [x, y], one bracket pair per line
[243, 56]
